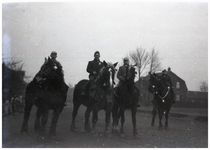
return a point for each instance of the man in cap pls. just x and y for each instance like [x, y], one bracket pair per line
[93, 69]
[123, 73]
[53, 56]
[167, 81]
[39, 76]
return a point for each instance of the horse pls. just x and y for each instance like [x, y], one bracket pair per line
[162, 99]
[126, 97]
[51, 94]
[99, 98]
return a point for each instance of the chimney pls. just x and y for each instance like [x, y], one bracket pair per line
[169, 69]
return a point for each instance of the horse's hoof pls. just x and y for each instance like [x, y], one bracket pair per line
[115, 130]
[165, 128]
[52, 135]
[108, 134]
[41, 138]
[88, 129]
[73, 129]
[136, 136]
[24, 129]
[94, 133]
[122, 135]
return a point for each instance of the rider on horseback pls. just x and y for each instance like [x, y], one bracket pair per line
[123, 74]
[93, 69]
[40, 78]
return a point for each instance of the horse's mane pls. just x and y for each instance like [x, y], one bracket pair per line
[109, 65]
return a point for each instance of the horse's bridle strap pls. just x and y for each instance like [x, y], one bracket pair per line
[165, 95]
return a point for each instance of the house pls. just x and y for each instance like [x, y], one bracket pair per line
[12, 82]
[197, 97]
[179, 88]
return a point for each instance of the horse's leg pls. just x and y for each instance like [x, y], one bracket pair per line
[54, 121]
[37, 120]
[122, 121]
[107, 119]
[87, 116]
[166, 116]
[74, 114]
[154, 112]
[44, 112]
[115, 116]
[133, 114]
[94, 121]
[28, 106]
[160, 118]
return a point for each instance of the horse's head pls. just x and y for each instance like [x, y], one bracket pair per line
[132, 72]
[129, 82]
[108, 70]
[49, 69]
[154, 84]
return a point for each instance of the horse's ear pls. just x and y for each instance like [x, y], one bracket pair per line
[104, 63]
[49, 58]
[45, 60]
[115, 64]
[149, 73]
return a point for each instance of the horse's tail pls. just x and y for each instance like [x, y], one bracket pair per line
[78, 89]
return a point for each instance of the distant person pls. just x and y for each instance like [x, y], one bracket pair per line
[93, 69]
[167, 81]
[123, 73]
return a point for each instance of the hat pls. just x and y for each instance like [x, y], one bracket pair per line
[96, 53]
[125, 59]
[53, 52]
[164, 70]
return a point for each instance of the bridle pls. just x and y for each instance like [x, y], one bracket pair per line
[156, 90]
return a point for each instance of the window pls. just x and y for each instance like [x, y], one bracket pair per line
[177, 97]
[177, 85]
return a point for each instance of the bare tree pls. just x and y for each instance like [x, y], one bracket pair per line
[141, 58]
[155, 63]
[16, 65]
[203, 86]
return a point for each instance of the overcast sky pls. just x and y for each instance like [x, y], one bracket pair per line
[179, 31]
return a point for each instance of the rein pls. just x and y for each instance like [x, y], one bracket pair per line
[164, 96]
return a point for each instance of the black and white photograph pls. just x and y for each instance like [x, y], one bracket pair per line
[121, 74]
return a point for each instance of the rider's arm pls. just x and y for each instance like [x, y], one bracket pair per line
[59, 64]
[89, 68]
[120, 75]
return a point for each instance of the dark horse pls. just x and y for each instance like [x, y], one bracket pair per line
[50, 95]
[126, 97]
[99, 97]
[162, 99]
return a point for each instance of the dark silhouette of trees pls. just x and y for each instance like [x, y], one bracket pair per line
[203, 86]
